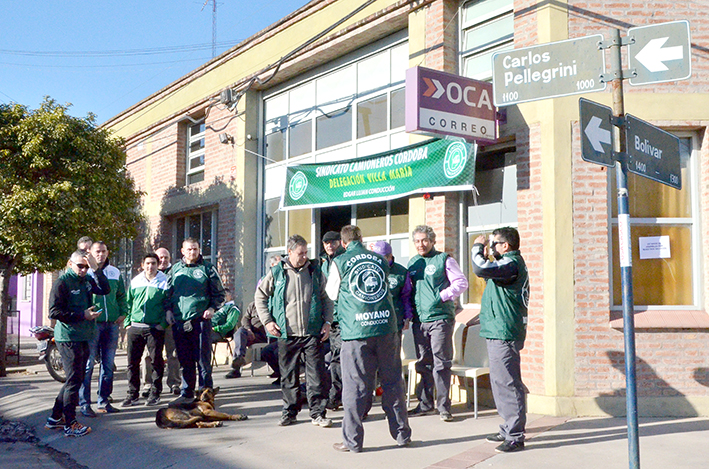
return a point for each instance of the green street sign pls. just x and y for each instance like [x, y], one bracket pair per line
[660, 52]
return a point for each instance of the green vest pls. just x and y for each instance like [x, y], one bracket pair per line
[278, 300]
[364, 306]
[503, 308]
[397, 278]
[428, 279]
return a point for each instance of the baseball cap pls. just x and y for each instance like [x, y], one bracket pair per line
[381, 247]
[331, 236]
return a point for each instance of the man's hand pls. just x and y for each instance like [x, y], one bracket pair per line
[91, 313]
[120, 320]
[325, 332]
[169, 317]
[208, 313]
[273, 329]
[480, 240]
[91, 261]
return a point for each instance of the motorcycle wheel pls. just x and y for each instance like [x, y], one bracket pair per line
[53, 360]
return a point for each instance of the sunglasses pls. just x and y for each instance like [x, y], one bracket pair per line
[495, 243]
[82, 266]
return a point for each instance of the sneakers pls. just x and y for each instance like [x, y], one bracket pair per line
[287, 420]
[446, 416]
[510, 447]
[153, 400]
[129, 401]
[107, 409]
[417, 411]
[54, 424]
[235, 373]
[495, 438]
[87, 411]
[76, 429]
[321, 421]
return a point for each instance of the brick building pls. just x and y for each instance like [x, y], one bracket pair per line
[326, 84]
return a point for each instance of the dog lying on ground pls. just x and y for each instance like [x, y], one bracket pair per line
[200, 414]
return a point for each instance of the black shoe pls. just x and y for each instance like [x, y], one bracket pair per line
[495, 438]
[175, 390]
[415, 412]
[510, 447]
[333, 405]
[145, 393]
[153, 399]
[129, 401]
[107, 409]
[233, 374]
[286, 420]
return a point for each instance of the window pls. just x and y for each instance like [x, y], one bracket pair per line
[659, 210]
[487, 26]
[122, 258]
[492, 205]
[27, 288]
[195, 153]
[201, 226]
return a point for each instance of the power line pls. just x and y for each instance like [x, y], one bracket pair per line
[119, 52]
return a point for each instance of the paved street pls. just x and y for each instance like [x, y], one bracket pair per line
[132, 440]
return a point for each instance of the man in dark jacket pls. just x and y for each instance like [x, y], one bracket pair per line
[197, 292]
[332, 247]
[71, 304]
[252, 332]
[503, 322]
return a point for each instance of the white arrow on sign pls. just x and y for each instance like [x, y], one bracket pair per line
[596, 135]
[653, 55]
[433, 86]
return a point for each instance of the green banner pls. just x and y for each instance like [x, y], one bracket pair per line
[432, 166]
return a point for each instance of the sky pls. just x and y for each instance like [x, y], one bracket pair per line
[103, 56]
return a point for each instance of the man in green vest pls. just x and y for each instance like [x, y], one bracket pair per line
[437, 281]
[503, 322]
[358, 284]
[332, 247]
[71, 305]
[299, 315]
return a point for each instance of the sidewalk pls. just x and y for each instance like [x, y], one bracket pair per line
[131, 439]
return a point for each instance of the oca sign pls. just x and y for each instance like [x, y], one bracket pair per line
[447, 104]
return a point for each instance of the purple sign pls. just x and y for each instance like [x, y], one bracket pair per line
[446, 104]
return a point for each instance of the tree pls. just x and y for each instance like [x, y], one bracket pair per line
[61, 178]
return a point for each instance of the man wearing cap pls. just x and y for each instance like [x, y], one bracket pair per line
[332, 248]
[399, 286]
[436, 281]
[358, 285]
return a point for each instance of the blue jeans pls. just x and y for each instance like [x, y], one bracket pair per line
[102, 347]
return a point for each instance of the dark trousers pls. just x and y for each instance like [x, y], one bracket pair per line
[269, 354]
[361, 359]
[335, 365]
[74, 357]
[290, 351]
[242, 341]
[173, 364]
[434, 353]
[138, 338]
[194, 348]
[507, 386]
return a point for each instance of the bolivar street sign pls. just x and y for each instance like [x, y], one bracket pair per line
[550, 70]
[653, 153]
[660, 52]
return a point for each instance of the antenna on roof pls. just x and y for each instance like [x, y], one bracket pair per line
[214, 25]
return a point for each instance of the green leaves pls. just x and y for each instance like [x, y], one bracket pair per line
[60, 178]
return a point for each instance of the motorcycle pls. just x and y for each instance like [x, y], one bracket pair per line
[47, 349]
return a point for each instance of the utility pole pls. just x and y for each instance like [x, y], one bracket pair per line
[214, 25]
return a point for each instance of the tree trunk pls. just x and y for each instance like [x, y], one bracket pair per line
[7, 265]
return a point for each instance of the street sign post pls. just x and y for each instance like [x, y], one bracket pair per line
[548, 70]
[653, 153]
[596, 132]
[660, 52]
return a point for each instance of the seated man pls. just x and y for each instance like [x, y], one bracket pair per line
[252, 332]
[225, 319]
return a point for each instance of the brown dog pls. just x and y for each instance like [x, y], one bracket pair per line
[200, 414]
